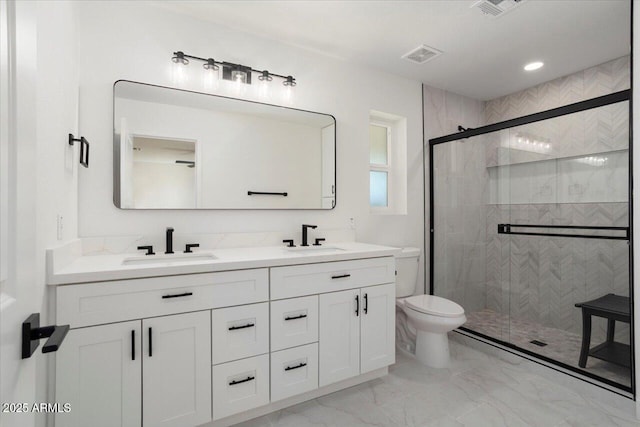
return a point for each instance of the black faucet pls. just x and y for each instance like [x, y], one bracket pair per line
[169, 239]
[304, 233]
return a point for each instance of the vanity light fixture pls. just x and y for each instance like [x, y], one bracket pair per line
[210, 65]
[532, 66]
[230, 71]
[178, 58]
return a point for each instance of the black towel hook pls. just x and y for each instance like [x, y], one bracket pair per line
[84, 149]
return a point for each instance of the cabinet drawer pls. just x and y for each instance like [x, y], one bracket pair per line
[294, 322]
[106, 302]
[240, 332]
[308, 279]
[239, 386]
[294, 371]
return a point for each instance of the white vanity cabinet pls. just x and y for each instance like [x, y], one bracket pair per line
[214, 349]
[357, 332]
[99, 372]
[176, 370]
[356, 312]
[156, 370]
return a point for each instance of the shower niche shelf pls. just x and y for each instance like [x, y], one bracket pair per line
[576, 179]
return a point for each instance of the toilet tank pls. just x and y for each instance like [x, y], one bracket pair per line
[407, 271]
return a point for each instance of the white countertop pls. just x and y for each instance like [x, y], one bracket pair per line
[97, 268]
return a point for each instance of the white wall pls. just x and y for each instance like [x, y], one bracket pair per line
[135, 41]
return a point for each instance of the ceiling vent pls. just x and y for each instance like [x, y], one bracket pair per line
[422, 54]
[496, 8]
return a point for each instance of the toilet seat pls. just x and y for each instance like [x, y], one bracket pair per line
[433, 305]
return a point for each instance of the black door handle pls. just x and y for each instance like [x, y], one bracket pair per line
[357, 305]
[342, 276]
[133, 344]
[291, 368]
[248, 325]
[234, 382]
[366, 303]
[186, 294]
[150, 343]
[302, 316]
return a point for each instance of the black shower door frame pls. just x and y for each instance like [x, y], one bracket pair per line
[588, 104]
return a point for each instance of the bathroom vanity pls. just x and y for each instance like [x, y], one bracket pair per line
[220, 337]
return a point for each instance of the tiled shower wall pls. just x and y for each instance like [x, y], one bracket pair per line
[460, 176]
[541, 278]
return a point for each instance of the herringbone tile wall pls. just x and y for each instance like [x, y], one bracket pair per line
[541, 278]
[531, 278]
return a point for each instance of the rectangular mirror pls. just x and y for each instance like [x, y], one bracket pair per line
[176, 149]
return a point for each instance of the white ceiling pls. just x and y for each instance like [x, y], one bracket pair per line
[483, 56]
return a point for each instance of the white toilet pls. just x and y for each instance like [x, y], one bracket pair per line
[431, 316]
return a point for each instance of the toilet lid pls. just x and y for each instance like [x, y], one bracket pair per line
[437, 306]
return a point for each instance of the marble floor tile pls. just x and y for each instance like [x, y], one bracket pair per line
[562, 346]
[476, 390]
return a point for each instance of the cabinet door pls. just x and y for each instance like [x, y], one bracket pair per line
[339, 338]
[377, 327]
[98, 371]
[176, 373]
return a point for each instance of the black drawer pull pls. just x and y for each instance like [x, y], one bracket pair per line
[357, 305]
[366, 303]
[342, 276]
[150, 343]
[234, 382]
[186, 294]
[291, 368]
[302, 316]
[133, 345]
[248, 325]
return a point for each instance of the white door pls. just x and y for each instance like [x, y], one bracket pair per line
[19, 290]
[377, 327]
[339, 338]
[176, 369]
[98, 372]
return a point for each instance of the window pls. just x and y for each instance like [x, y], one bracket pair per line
[379, 136]
[387, 163]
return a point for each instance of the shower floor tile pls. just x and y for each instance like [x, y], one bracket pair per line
[561, 345]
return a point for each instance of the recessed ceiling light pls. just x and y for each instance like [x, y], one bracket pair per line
[533, 66]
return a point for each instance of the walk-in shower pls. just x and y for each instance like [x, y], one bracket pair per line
[530, 233]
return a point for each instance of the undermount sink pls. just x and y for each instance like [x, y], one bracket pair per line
[172, 259]
[314, 249]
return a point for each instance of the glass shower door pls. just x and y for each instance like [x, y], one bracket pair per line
[568, 237]
[530, 229]
[470, 265]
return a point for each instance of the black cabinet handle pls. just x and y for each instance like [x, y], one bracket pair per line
[357, 305]
[186, 294]
[150, 343]
[302, 316]
[266, 193]
[366, 303]
[234, 382]
[133, 344]
[342, 276]
[248, 325]
[291, 368]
